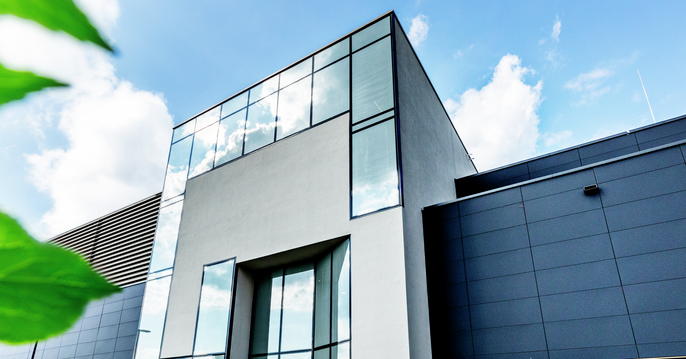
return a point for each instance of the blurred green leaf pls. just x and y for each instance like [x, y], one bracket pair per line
[14, 85]
[43, 288]
[56, 15]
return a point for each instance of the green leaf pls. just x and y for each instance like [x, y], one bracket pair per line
[56, 15]
[43, 288]
[14, 85]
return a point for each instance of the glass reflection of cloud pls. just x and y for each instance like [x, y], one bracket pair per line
[202, 157]
[264, 89]
[296, 72]
[214, 309]
[187, 129]
[260, 124]
[207, 118]
[297, 314]
[234, 104]
[370, 197]
[177, 168]
[230, 138]
[331, 54]
[152, 319]
[294, 108]
[164, 247]
[330, 94]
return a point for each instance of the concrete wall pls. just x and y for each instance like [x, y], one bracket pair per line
[432, 157]
[290, 194]
[543, 270]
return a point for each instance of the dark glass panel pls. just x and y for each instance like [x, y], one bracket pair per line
[331, 94]
[372, 80]
[294, 108]
[322, 312]
[341, 351]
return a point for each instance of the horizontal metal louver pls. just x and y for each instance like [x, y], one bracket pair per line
[117, 245]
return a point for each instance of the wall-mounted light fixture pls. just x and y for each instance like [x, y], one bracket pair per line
[591, 189]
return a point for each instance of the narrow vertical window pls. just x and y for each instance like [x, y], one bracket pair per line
[166, 234]
[177, 168]
[294, 108]
[215, 309]
[372, 80]
[331, 94]
[153, 313]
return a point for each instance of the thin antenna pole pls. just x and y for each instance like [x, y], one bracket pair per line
[644, 91]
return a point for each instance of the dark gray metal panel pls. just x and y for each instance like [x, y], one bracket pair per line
[499, 264]
[559, 205]
[584, 304]
[661, 131]
[609, 155]
[456, 318]
[575, 251]
[584, 333]
[502, 288]
[522, 355]
[609, 145]
[452, 273]
[567, 227]
[659, 327]
[653, 266]
[578, 277]
[646, 212]
[490, 201]
[640, 164]
[652, 238]
[662, 349]
[656, 296]
[492, 220]
[449, 251]
[556, 169]
[622, 351]
[508, 313]
[576, 180]
[644, 185]
[519, 338]
[555, 160]
[497, 241]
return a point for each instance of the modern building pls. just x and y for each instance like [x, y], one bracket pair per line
[332, 211]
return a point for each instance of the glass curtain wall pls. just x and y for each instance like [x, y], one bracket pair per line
[303, 311]
[212, 327]
[375, 180]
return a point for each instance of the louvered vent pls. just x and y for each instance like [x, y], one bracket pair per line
[119, 244]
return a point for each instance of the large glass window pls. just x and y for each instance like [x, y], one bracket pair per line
[153, 313]
[375, 174]
[207, 118]
[331, 94]
[303, 309]
[259, 130]
[372, 80]
[234, 104]
[230, 138]
[294, 108]
[204, 144]
[182, 131]
[333, 53]
[166, 234]
[215, 308]
[371, 33]
[296, 72]
[177, 168]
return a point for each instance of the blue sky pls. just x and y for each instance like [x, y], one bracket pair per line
[519, 78]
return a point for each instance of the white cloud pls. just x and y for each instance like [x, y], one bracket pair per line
[499, 123]
[418, 30]
[590, 85]
[552, 139]
[117, 137]
[557, 26]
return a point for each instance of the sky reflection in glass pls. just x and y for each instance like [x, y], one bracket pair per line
[259, 130]
[230, 138]
[296, 72]
[298, 305]
[166, 234]
[187, 129]
[340, 329]
[266, 324]
[153, 313]
[177, 168]
[234, 104]
[372, 80]
[375, 175]
[371, 33]
[207, 118]
[264, 89]
[331, 54]
[294, 108]
[331, 94]
[202, 157]
[215, 307]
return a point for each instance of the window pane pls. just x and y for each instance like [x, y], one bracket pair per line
[264, 89]
[372, 80]
[207, 118]
[296, 72]
[368, 35]
[234, 104]
[166, 234]
[294, 108]
[259, 130]
[153, 314]
[322, 312]
[215, 306]
[340, 328]
[306, 355]
[331, 54]
[321, 353]
[331, 94]
[341, 351]
[177, 168]
[298, 304]
[267, 314]
[375, 175]
[187, 129]
[230, 138]
[202, 157]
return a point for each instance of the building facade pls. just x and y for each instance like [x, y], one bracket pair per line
[332, 211]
